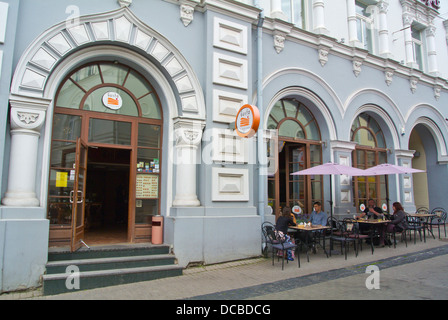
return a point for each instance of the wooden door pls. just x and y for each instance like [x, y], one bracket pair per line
[295, 185]
[77, 195]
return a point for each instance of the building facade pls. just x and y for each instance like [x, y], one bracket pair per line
[117, 111]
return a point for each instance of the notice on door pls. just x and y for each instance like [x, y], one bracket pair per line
[147, 186]
[61, 179]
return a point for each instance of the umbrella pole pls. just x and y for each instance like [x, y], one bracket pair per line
[331, 218]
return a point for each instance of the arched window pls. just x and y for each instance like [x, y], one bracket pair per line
[299, 148]
[370, 151]
[293, 120]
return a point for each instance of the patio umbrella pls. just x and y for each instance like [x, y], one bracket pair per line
[387, 168]
[330, 168]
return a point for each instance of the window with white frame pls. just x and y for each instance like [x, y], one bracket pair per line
[295, 11]
[417, 46]
[364, 23]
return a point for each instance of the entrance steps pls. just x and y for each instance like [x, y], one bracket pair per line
[102, 266]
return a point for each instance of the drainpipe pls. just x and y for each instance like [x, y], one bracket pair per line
[261, 149]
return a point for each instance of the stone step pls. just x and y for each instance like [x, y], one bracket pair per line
[63, 282]
[123, 262]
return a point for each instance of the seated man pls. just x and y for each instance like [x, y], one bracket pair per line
[318, 217]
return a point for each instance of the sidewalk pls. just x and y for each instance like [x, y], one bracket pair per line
[212, 282]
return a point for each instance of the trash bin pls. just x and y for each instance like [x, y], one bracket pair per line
[157, 230]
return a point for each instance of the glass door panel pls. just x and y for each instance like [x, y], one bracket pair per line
[77, 195]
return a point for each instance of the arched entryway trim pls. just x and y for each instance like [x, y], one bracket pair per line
[120, 28]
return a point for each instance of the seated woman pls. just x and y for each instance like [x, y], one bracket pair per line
[283, 222]
[398, 222]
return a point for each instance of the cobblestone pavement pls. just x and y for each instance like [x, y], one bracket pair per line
[419, 271]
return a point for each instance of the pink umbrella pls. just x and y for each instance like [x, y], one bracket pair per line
[387, 168]
[330, 168]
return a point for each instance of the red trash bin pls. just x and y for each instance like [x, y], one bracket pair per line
[157, 230]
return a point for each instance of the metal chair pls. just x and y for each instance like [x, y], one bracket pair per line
[343, 236]
[403, 236]
[355, 234]
[438, 220]
[415, 224]
[277, 243]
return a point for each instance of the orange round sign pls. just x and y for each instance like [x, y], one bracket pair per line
[247, 121]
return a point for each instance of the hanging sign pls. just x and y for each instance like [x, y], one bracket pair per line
[384, 207]
[112, 100]
[247, 121]
[362, 207]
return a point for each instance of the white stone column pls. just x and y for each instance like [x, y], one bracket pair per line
[188, 137]
[276, 10]
[351, 19]
[27, 119]
[384, 51]
[319, 17]
[433, 68]
[407, 23]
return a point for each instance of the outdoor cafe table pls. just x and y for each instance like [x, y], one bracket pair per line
[307, 229]
[373, 223]
[425, 218]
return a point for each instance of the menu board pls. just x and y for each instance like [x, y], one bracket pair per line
[147, 186]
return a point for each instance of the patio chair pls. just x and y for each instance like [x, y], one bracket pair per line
[422, 210]
[414, 223]
[355, 234]
[343, 236]
[277, 243]
[394, 233]
[438, 220]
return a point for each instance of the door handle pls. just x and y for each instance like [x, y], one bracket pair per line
[71, 196]
[80, 196]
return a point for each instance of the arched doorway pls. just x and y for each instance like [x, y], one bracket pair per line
[110, 114]
[299, 147]
[370, 151]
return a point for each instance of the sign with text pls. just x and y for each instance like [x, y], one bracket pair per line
[247, 121]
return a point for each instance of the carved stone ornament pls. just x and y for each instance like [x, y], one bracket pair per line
[186, 14]
[357, 67]
[279, 42]
[27, 117]
[389, 77]
[437, 91]
[188, 136]
[124, 3]
[323, 56]
[413, 83]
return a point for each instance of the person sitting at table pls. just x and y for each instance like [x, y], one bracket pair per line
[318, 217]
[372, 211]
[281, 227]
[285, 220]
[398, 220]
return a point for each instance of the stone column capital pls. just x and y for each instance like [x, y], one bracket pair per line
[188, 133]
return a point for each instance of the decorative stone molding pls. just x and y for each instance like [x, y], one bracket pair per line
[323, 55]
[120, 28]
[230, 184]
[190, 137]
[413, 84]
[279, 42]
[437, 90]
[124, 3]
[357, 64]
[389, 75]
[186, 14]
